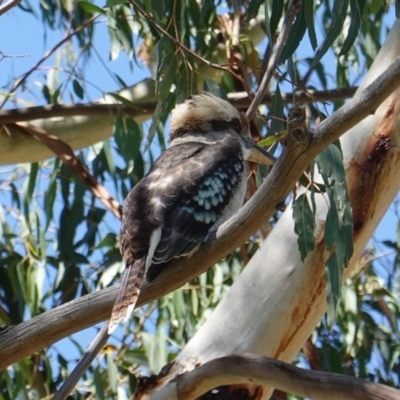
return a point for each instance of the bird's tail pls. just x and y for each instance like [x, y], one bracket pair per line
[128, 294]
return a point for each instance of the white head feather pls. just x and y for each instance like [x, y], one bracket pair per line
[200, 108]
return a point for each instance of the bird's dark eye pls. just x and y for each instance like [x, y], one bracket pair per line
[237, 126]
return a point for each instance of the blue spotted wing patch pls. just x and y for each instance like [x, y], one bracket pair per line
[214, 193]
[199, 188]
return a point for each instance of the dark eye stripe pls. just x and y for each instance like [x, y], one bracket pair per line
[220, 126]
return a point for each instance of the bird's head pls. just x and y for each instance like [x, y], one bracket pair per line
[207, 118]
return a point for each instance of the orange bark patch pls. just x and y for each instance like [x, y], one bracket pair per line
[366, 175]
[300, 313]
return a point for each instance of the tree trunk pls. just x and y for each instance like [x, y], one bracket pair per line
[277, 301]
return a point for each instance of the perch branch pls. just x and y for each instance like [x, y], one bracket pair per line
[45, 329]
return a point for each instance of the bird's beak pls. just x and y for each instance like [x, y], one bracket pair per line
[256, 154]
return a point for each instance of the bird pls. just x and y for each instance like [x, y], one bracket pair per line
[195, 185]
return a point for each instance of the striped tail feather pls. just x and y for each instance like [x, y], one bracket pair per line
[128, 294]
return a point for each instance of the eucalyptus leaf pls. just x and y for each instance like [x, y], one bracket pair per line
[304, 225]
[338, 18]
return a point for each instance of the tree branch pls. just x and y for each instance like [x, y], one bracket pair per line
[239, 99]
[8, 6]
[251, 369]
[51, 326]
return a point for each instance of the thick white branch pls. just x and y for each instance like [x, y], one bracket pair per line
[277, 301]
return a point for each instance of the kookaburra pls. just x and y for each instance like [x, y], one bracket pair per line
[192, 188]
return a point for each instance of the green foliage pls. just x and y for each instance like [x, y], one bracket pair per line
[58, 242]
[338, 235]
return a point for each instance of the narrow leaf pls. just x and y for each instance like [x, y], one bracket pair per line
[78, 89]
[276, 14]
[356, 14]
[28, 189]
[252, 11]
[112, 3]
[304, 224]
[295, 36]
[309, 15]
[90, 8]
[339, 15]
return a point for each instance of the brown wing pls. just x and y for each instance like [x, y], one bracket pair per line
[183, 196]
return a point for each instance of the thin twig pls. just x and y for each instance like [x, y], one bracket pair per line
[80, 368]
[65, 153]
[149, 19]
[294, 8]
[3, 56]
[24, 77]
[8, 6]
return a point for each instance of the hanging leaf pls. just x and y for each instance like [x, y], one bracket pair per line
[276, 14]
[356, 15]
[304, 225]
[113, 3]
[338, 234]
[276, 112]
[339, 13]
[28, 190]
[253, 8]
[78, 89]
[295, 36]
[309, 15]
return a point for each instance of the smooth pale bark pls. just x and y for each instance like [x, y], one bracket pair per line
[78, 131]
[277, 301]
